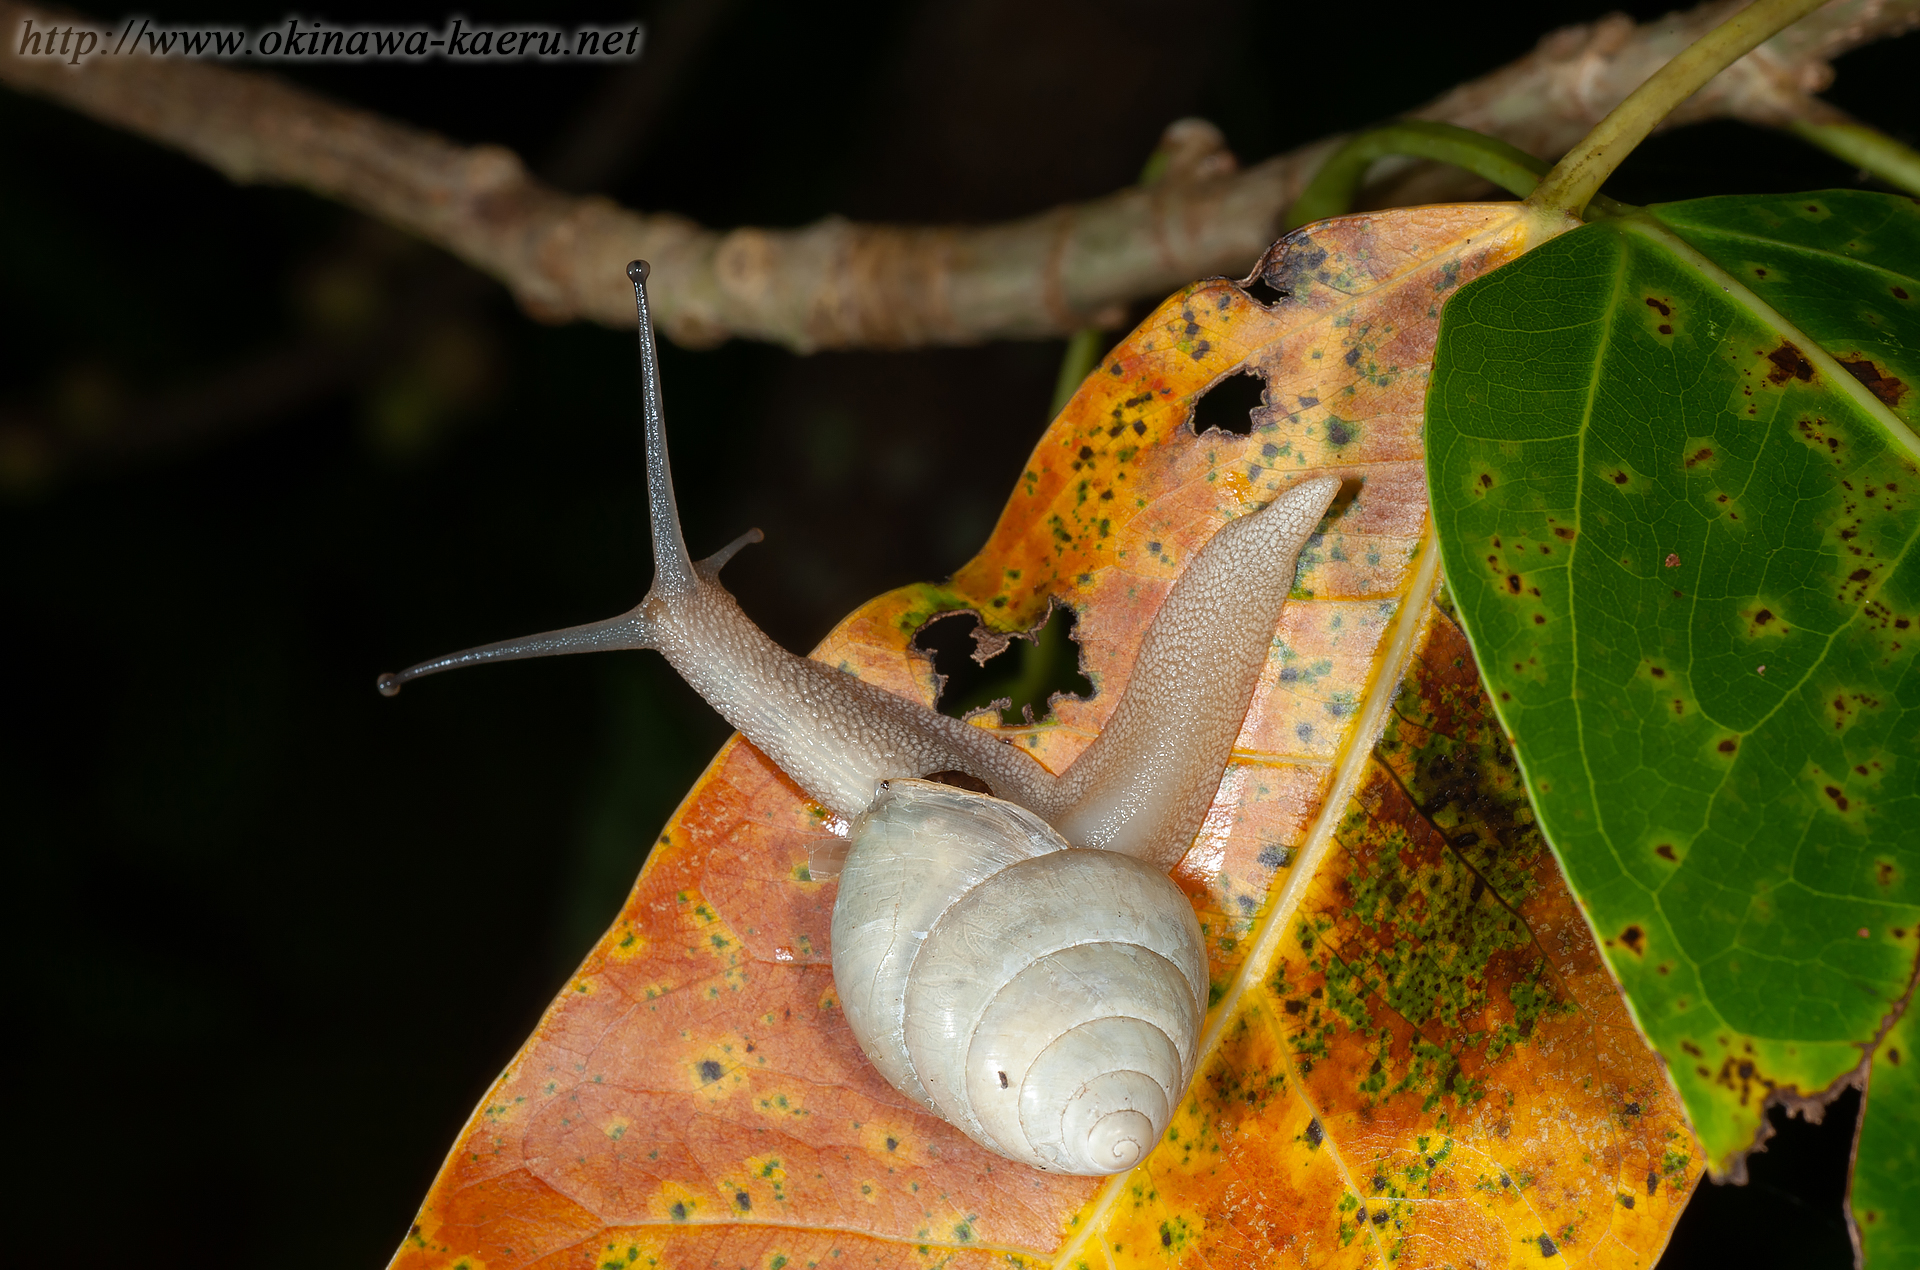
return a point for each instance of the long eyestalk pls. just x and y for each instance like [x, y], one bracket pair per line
[673, 571]
[629, 630]
[672, 568]
[1142, 788]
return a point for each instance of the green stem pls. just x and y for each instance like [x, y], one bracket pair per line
[1576, 178]
[1868, 149]
[1083, 346]
[1332, 190]
[1083, 353]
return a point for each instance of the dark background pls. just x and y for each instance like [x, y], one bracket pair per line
[269, 936]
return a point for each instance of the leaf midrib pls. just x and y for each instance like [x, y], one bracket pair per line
[1814, 351]
[1396, 651]
[1711, 272]
[1656, 231]
[1797, 249]
[1573, 554]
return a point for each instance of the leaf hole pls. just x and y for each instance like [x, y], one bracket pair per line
[1229, 404]
[1264, 293]
[1016, 675]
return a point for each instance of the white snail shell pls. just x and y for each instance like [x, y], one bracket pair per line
[1023, 967]
[1043, 999]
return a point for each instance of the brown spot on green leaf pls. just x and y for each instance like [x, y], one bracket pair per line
[1878, 381]
[1788, 363]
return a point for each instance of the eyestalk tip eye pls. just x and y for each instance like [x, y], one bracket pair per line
[389, 685]
[637, 270]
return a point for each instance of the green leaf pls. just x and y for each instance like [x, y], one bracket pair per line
[1677, 503]
[1885, 1195]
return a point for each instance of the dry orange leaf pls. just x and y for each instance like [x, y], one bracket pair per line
[1414, 1055]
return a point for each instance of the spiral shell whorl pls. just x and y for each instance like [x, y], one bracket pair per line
[918, 849]
[1110, 1121]
[1049, 1006]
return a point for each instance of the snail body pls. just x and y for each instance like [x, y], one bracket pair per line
[1017, 961]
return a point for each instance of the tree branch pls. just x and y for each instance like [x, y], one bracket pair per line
[837, 284]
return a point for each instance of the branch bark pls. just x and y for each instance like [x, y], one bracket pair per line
[837, 284]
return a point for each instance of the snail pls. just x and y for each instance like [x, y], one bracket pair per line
[1017, 960]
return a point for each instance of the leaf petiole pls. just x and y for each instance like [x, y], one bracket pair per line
[1868, 149]
[1332, 190]
[1082, 355]
[1578, 177]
